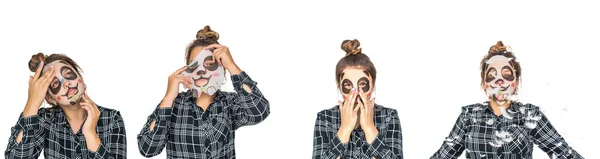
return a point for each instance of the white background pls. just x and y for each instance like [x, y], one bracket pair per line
[427, 55]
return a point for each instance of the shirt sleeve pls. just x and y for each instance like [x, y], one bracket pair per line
[549, 140]
[152, 142]
[388, 143]
[454, 144]
[248, 108]
[113, 145]
[32, 141]
[326, 144]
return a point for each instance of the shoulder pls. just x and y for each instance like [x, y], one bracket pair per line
[329, 114]
[49, 113]
[380, 109]
[474, 108]
[109, 113]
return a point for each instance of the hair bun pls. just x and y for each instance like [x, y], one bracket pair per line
[498, 48]
[207, 34]
[35, 60]
[351, 47]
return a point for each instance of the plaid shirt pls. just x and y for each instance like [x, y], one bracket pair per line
[387, 144]
[509, 136]
[190, 132]
[50, 131]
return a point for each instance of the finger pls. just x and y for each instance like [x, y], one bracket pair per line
[216, 46]
[340, 105]
[38, 71]
[180, 70]
[353, 97]
[363, 97]
[30, 79]
[372, 104]
[357, 108]
[216, 56]
[184, 80]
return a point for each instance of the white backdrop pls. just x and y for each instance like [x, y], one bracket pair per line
[427, 55]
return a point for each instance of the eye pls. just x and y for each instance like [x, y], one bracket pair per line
[209, 64]
[491, 75]
[55, 84]
[347, 85]
[362, 84]
[67, 73]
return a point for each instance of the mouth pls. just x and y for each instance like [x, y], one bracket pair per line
[72, 92]
[501, 88]
[202, 81]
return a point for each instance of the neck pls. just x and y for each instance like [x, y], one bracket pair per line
[204, 100]
[74, 112]
[496, 107]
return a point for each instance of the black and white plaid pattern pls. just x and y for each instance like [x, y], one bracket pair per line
[190, 132]
[509, 136]
[387, 144]
[50, 131]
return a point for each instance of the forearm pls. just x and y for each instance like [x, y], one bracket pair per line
[92, 141]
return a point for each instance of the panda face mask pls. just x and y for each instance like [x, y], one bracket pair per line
[67, 86]
[207, 76]
[500, 81]
[355, 79]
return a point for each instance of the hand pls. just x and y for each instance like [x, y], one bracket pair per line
[173, 87]
[222, 56]
[366, 117]
[89, 127]
[38, 87]
[349, 115]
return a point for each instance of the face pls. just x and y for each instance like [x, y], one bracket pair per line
[500, 80]
[357, 79]
[207, 75]
[67, 86]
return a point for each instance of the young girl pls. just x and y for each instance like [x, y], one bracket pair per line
[502, 127]
[74, 127]
[201, 122]
[357, 127]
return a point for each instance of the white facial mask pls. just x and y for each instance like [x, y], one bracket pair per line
[207, 76]
[67, 87]
[355, 79]
[500, 79]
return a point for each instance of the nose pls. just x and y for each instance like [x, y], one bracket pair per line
[201, 72]
[499, 82]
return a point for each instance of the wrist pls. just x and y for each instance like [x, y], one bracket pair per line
[370, 130]
[29, 111]
[90, 134]
[167, 102]
[344, 136]
[234, 69]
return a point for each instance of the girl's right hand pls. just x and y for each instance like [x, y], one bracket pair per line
[38, 87]
[173, 87]
[349, 116]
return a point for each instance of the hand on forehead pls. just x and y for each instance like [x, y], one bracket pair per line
[353, 78]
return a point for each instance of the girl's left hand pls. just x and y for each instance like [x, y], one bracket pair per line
[366, 117]
[222, 56]
[89, 127]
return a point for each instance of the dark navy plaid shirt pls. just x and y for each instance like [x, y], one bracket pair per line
[509, 136]
[190, 132]
[50, 131]
[387, 144]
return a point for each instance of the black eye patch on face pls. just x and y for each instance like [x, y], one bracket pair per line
[192, 67]
[490, 75]
[364, 84]
[347, 86]
[209, 64]
[55, 85]
[68, 73]
[508, 77]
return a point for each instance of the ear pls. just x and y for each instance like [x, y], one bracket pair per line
[51, 100]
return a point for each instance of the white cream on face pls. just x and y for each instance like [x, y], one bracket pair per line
[67, 85]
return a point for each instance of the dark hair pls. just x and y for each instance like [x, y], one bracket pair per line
[37, 58]
[500, 49]
[204, 37]
[354, 58]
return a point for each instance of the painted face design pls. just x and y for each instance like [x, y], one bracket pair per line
[355, 79]
[207, 75]
[67, 86]
[500, 79]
